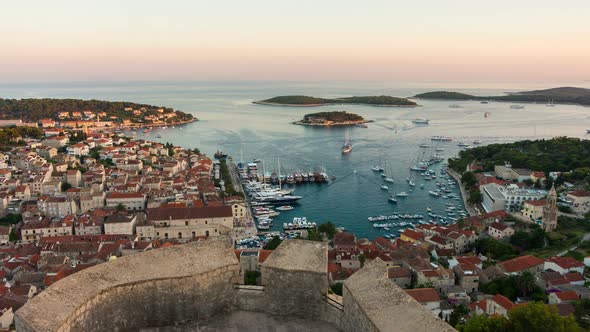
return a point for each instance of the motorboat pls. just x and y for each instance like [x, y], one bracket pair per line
[420, 121]
[464, 145]
[476, 142]
[384, 187]
[392, 199]
[441, 138]
[424, 145]
[285, 208]
[402, 194]
[377, 168]
[516, 107]
[388, 179]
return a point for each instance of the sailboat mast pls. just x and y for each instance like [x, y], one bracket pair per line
[279, 162]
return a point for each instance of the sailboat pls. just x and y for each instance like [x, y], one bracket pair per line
[347, 147]
[550, 103]
[387, 178]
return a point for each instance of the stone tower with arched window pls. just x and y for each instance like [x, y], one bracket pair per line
[550, 211]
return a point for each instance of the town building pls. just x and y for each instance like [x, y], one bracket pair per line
[549, 219]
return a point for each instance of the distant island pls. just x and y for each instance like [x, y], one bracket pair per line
[329, 119]
[564, 95]
[306, 101]
[91, 113]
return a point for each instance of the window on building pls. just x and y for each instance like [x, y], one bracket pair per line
[166, 235]
[180, 235]
[207, 233]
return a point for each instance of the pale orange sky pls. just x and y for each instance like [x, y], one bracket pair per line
[295, 40]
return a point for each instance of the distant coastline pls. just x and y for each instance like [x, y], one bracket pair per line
[562, 95]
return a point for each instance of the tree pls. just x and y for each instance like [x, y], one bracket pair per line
[273, 243]
[362, 259]
[336, 288]
[475, 197]
[314, 235]
[65, 186]
[481, 323]
[251, 277]
[525, 282]
[538, 316]
[458, 313]
[121, 207]
[328, 228]
[468, 179]
[12, 236]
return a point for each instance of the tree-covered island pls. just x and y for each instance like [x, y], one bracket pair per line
[328, 119]
[314, 101]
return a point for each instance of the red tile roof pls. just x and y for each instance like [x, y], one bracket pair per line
[503, 301]
[521, 263]
[423, 295]
[573, 277]
[579, 193]
[413, 234]
[565, 262]
[567, 296]
[398, 272]
[540, 202]
[498, 226]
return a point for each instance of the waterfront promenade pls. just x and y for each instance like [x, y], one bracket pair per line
[471, 210]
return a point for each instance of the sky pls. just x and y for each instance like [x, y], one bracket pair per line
[396, 40]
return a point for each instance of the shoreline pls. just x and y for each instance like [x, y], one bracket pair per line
[328, 104]
[136, 126]
[339, 124]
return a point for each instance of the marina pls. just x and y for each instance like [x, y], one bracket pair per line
[230, 123]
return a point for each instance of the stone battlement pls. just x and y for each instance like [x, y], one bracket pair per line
[184, 284]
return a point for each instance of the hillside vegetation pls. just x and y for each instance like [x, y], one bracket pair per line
[33, 109]
[558, 154]
[367, 100]
[569, 95]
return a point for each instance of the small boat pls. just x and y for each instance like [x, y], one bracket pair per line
[377, 169]
[347, 148]
[476, 142]
[439, 149]
[256, 160]
[388, 179]
[384, 187]
[484, 102]
[516, 107]
[411, 183]
[421, 121]
[402, 194]
[424, 145]
[550, 103]
[454, 106]
[392, 199]
[285, 208]
[487, 114]
[158, 136]
[383, 175]
[464, 145]
[361, 125]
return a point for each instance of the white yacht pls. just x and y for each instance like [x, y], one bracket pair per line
[388, 179]
[402, 194]
[421, 121]
[384, 187]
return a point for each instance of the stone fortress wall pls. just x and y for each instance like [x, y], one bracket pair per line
[195, 282]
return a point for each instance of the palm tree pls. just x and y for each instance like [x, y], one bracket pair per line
[525, 282]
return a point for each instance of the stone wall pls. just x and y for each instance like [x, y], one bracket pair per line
[184, 284]
[156, 288]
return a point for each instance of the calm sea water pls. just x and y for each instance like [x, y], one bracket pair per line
[230, 122]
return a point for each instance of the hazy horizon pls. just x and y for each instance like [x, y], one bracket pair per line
[260, 40]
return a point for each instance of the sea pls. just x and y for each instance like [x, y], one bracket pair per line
[229, 122]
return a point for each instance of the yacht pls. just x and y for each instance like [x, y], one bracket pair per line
[392, 199]
[420, 121]
[285, 208]
[402, 194]
[441, 138]
[476, 142]
[439, 149]
[411, 183]
[377, 168]
[384, 187]
[158, 136]
[388, 179]
[464, 145]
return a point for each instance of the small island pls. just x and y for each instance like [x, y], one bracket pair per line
[306, 101]
[564, 95]
[331, 119]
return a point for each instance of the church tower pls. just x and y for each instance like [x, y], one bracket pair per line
[550, 211]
